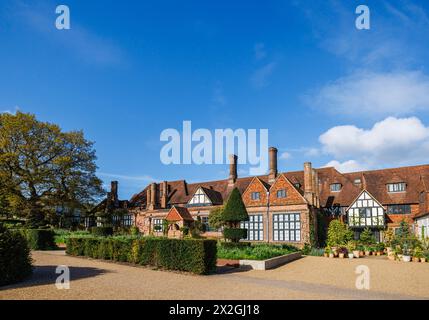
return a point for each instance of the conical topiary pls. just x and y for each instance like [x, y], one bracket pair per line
[235, 210]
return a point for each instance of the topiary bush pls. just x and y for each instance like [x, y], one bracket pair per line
[192, 255]
[233, 213]
[235, 234]
[40, 239]
[102, 231]
[15, 259]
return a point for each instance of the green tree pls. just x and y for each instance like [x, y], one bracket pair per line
[233, 213]
[366, 237]
[42, 167]
[338, 234]
[215, 218]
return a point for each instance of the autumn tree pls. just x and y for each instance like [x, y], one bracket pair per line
[43, 168]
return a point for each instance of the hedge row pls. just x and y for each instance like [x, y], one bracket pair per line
[40, 239]
[102, 231]
[192, 255]
[15, 259]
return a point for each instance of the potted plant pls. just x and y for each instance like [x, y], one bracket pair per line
[367, 251]
[418, 254]
[331, 254]
[380, 246]
[326, 252]
[342, 251]
[425, 256]
[406, 253]
[351, 246]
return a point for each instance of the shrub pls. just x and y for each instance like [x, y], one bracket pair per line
[235, 234]
[15, 260]
[102, 231]
[338, 234]
[197, 256]
[40, 239]
[366, 237]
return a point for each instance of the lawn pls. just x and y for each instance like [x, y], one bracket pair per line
[254, 252]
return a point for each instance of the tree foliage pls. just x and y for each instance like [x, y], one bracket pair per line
[338, 234]
[42, 168]
[235, 210]
[215, 218]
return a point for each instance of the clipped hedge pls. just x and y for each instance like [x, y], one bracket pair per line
[235, 234]
[234, 245]
[102, 231]
[15, 259]
[40, 239]
[192, 255]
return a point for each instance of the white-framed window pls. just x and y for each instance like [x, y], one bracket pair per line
[396, 187]
[281, 193]
[157, 225]
[287, 227]
[399, 209]
[256, 195]
[335, 187]
[255, 227]
[357, 181]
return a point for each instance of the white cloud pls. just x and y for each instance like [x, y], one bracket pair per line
[367, 94]
[259, 78]
[10, 111]
[285, 155]
[390, 142]
[346, 166]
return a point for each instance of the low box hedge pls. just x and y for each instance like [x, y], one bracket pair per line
[235, 234]
[192, 255]
[40, 239]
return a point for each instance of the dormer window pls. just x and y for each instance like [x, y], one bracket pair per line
[357, 181]
[297, 185]
[396, 187]
[256, 195]
[281, 193]
[335, 187]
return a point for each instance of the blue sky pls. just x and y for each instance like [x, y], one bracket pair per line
[327, 92]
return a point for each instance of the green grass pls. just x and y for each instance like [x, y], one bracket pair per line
[255, 252]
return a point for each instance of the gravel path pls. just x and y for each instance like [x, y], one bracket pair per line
[307, 278]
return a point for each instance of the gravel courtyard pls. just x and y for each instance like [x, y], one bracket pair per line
[307, 278]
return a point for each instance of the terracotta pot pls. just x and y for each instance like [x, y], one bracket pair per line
[423, 259]
[367, 253]
[378, 253]
[326, 255]
[415, 259]
[361, 254]
[341, 255]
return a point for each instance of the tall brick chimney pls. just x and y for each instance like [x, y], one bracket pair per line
[149, 205]
[308, 183]
[273, 164]
[232, 169]
[114, 192]
[316, 201]
[153, 195]
[164, 197]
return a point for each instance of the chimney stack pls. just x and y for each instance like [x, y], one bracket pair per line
[308, 183]
[316, 189]
[164, 194]
[232, 169]
[273, 164]
[114, 191]
[148, 199]
[153, 195]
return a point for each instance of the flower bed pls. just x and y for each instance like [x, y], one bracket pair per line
[255, 251]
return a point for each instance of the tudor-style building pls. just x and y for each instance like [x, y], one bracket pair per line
[284, 207]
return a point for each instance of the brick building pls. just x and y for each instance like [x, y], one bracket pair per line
[287, 206]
